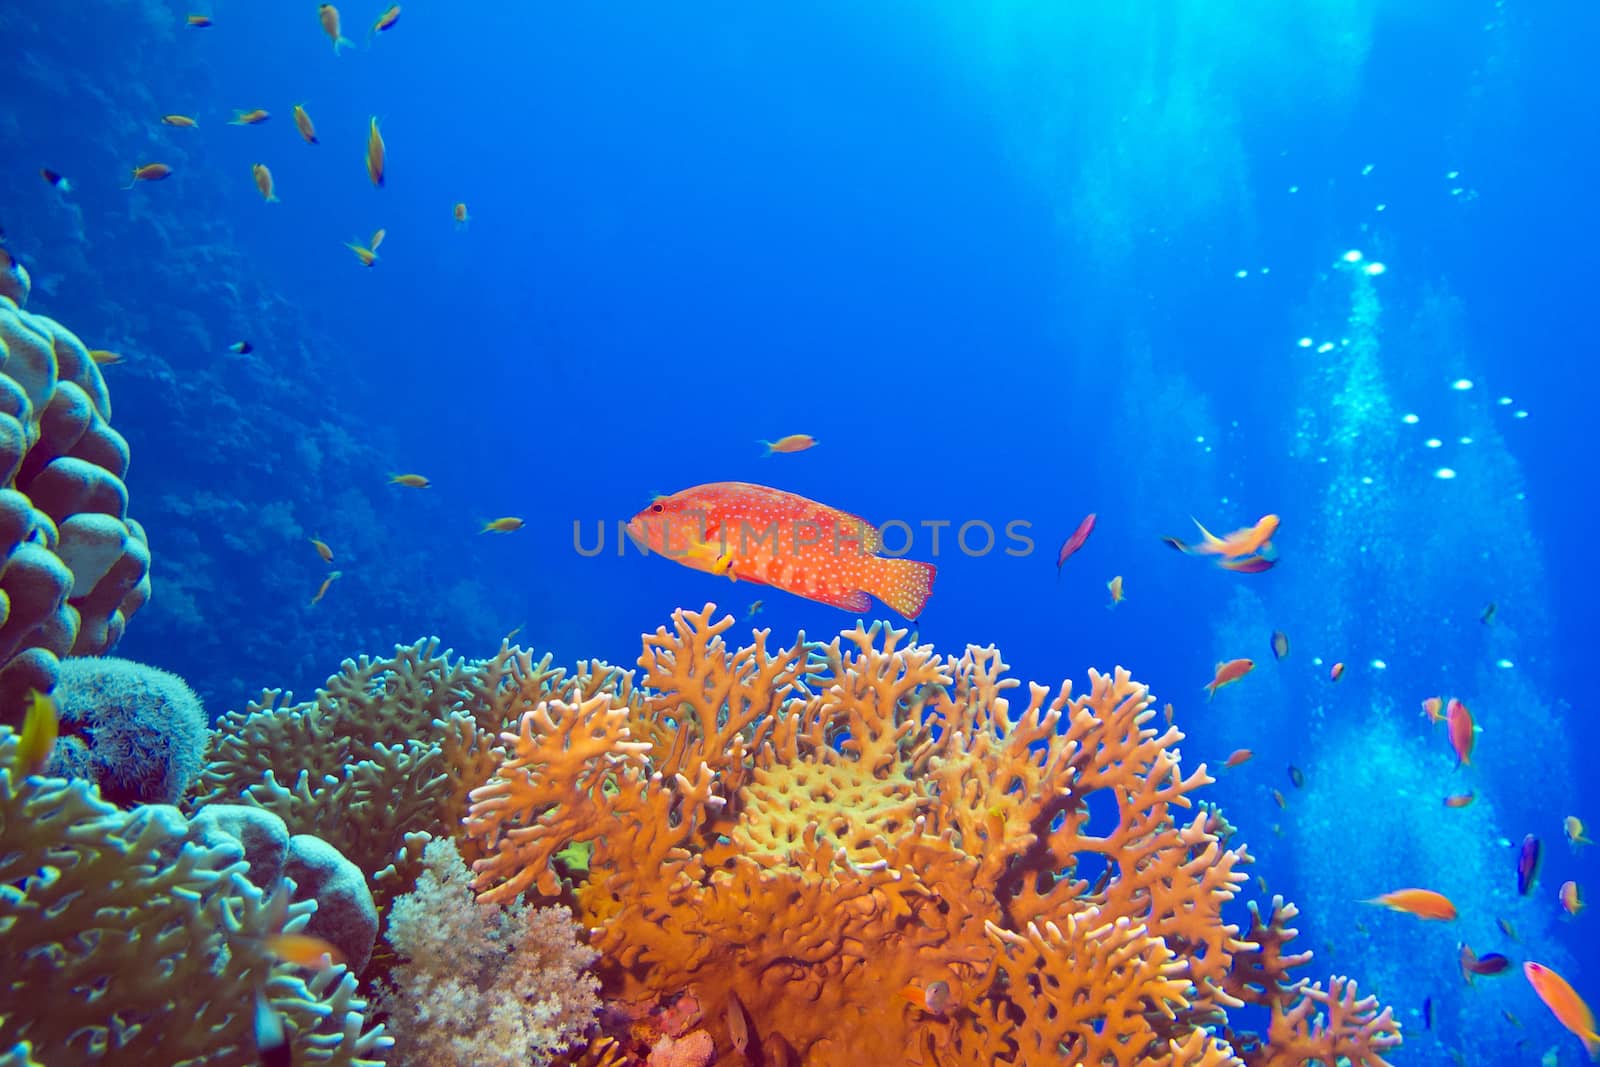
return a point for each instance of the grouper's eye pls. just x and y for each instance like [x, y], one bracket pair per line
[657, 508]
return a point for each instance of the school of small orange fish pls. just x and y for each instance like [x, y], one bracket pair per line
[1254, 544]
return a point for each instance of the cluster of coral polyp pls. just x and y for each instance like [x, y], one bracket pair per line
[862, 851]
[73, 566]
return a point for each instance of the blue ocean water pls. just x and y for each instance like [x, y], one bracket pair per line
[1009, 264]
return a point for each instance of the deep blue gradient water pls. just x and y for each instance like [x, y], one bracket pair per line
[1008, 264]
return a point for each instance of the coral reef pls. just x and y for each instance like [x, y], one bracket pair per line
[124, 938]
[346, 914]
[861, 852]
[16, 284]
[386, 752]
[75, 567]
[483, 985]
[138, 732]
[364, 763]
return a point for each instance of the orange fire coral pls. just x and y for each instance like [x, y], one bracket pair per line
[860, 849]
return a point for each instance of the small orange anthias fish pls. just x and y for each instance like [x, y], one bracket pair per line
[1115, 585]
[1433, 708]
[1240, 543]
[795, 442]
[508, 524]
[1247, 551]
[377, 238]
[263, 178]
[149, 172]
[1227, 674]
[1458, 721]
[303, 123]
[181, 121]
[367, 256]
[935, 998]
[322, 549]
[1336, 671]
[412, 481]
[40, 728]
[460, 213]
[1237, 757]
[376, 153]
[304, 950]
[199, 22]
[249, 118]
[1459, 800]
[767, 536]
[386, 20]
[322, 590]
[105, 357]
[1423, 903]
[1571, 899]
[1572, 826]
[1563, 1001]
[328, 15]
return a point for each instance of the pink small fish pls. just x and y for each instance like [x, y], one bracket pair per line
[1075, 542]
[1458, 721]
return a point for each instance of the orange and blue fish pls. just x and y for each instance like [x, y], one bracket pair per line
[377, 153]
[385, 20]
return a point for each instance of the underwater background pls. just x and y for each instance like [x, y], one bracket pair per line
[1008, 263]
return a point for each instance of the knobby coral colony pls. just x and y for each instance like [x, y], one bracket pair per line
[809, 841]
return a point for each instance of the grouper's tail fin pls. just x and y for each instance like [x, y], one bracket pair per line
[903, 584]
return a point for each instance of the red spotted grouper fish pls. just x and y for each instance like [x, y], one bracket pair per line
[770, 537]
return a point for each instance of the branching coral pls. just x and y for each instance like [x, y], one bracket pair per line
[386, 752]
[864, 847]
[122, 940]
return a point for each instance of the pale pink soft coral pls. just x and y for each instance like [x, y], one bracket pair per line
[483, 985]
[691, 1050]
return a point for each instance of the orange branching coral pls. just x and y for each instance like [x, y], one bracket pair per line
[864, 851]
